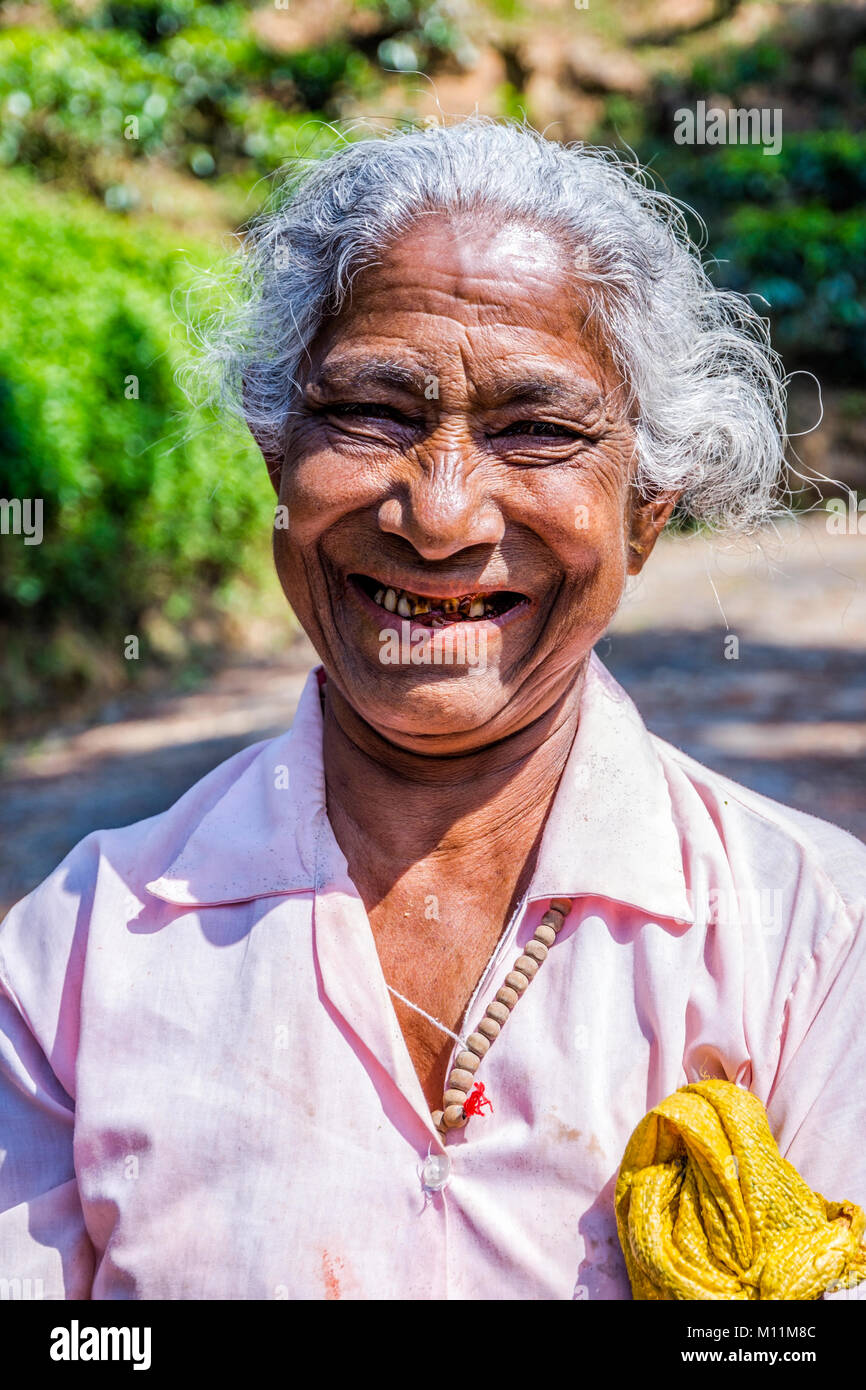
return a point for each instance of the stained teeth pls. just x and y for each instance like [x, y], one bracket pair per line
[409, 605]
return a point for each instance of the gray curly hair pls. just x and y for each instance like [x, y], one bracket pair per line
[706, 387]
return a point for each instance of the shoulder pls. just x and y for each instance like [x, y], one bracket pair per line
[819, 867]
[135, 852]
[43, 937]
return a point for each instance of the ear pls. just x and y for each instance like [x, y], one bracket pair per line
[649, 516]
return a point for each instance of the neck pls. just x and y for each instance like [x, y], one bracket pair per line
[395, 807]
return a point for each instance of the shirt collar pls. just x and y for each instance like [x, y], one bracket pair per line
[262, 837]
[610, 832]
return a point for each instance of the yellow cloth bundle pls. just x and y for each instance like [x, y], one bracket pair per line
[707, 1207]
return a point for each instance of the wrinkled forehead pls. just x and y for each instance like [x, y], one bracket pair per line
[473, 254]
[468, 301]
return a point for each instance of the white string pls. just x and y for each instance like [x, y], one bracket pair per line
[718, 600]
[429, 1017]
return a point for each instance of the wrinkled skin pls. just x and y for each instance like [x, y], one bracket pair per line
[439, 777]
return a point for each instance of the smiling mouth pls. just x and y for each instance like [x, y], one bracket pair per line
[438, 612]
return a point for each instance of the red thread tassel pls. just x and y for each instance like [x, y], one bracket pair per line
[476, 1100]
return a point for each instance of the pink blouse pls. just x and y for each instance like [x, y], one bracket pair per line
[205, 1093]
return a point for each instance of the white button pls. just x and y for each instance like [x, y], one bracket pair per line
[436, 1172]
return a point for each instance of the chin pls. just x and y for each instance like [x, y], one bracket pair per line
[411, 705]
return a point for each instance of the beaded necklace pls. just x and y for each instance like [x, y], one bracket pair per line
[464, 1096]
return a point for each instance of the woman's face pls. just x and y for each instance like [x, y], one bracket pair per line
[461, 441]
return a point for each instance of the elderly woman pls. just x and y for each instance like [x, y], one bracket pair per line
[372, 1011]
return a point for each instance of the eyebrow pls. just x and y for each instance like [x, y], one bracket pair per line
[533, 391]
[370, 372]
[496, 392]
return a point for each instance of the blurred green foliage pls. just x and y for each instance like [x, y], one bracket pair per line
[792, 230]
[140, 503]
[204, 92]
[198, 100]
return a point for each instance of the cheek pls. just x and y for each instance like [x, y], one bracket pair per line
[319, 485]
[308, 504]
[580, 513]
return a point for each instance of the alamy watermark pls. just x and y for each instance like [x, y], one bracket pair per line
[22, 516]
[846, 518]
[77, 1343]
[736, 126]
[760, 908]
[459, 644]
[17, 1290]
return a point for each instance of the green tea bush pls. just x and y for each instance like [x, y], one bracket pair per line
[63, 96]
[142, 502]
[199, 102]
[791, 228]
[809, 263]
[203, 92]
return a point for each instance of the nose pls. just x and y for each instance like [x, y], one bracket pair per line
[444, 509]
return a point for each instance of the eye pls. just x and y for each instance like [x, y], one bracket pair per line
[539, 429]
[369, 410]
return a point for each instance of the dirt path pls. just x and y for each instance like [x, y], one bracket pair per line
[787, 715]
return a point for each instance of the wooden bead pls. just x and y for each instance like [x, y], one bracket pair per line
[478, 1044]
[454, 1117]
[546, 935]
[553, 919]
[537, 951]
[498, 1011]
[527, 966]
[508, 997]
[453, 1097]
[461, 1080]
[437, 1119]
[467, 1061]
[516, 980]
[490, 1028]
[562, 905]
